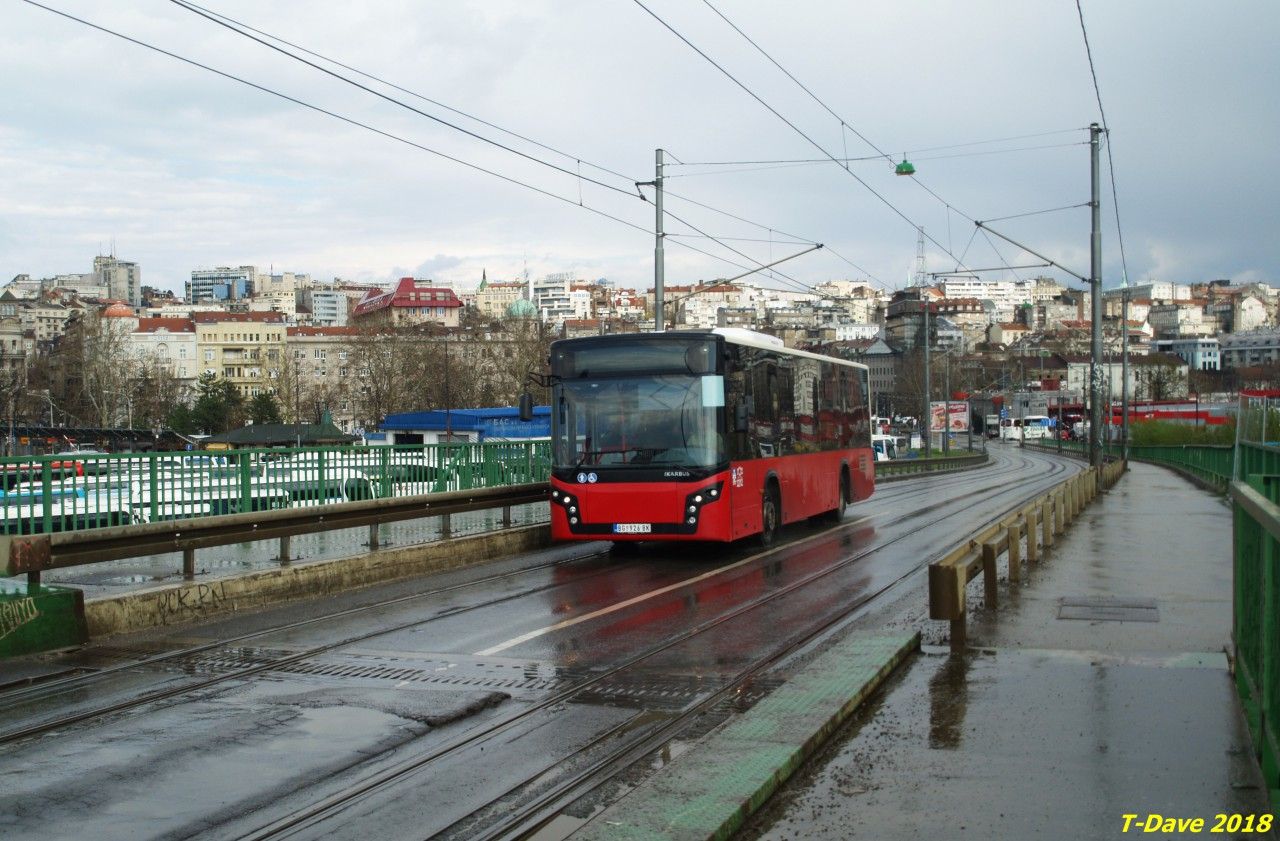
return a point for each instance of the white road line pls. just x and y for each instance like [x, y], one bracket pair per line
[604, 611]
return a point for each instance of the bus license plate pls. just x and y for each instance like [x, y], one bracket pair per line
[632, 528]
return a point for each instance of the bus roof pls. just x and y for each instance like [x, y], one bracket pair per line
[732, 335]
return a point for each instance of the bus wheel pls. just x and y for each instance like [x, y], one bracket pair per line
[836, 514]
[769, 517]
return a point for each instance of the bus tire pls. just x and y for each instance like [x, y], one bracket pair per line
[770, 515]
[835, 515]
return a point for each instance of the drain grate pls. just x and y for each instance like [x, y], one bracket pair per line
[450, 673]
[1108, 609]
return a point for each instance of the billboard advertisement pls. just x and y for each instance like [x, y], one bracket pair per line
[952, 415]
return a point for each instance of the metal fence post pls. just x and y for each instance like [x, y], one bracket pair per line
[153, 477]
[384, 475]
[285, 555]
[188, 562]
[323, 492]
[46, 493]
[246, 484]
[373, 535]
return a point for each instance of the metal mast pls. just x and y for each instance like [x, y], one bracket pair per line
[1095, 287]
[659, 318]
[922, 281]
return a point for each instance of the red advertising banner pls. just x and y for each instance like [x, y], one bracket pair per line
[952, 415]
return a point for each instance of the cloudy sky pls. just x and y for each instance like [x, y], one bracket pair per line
[103, 141]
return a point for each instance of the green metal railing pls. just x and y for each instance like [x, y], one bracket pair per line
[43, 494]
[1256, 623]
[1210, 463]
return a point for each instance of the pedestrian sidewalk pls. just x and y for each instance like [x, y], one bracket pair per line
[1057, 727]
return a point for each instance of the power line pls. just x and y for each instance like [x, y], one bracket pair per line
[1037, 212]
[1111, 169]
[414, 94]
[792, 125]
[786, 164]
[843, 123]
[240, 28]
[333, 114]
[183, 4]
[762, 52]
[390, 135]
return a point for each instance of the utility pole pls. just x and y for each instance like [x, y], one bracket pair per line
[1124, 368]
[1095, 287]
[946, 412]
[659, 317]
[922, 282]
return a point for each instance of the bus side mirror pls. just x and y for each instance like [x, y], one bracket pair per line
[526, 407]
[740, 417]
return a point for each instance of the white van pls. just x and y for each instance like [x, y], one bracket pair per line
[886, 447]
[1025, 429]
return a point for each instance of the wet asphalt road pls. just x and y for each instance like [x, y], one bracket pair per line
[409, 687]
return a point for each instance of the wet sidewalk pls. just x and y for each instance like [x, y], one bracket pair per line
[1069, 711]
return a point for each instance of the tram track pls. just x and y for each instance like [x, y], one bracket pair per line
[46, 691]
[514, 822]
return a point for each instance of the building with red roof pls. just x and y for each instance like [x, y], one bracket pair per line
[410, 302]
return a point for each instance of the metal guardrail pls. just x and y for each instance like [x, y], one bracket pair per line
[907, 467]
[77, 491]
[1256, 618]
[32, 554]
[1048, 515]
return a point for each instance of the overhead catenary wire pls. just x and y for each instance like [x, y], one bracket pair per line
[828, 109]
[353, 122]
[787, 162]
[422, 147]
[746, 89]
[414, 94]
[232, 23]
[251, 33]
[226, 24]
[1111, 168]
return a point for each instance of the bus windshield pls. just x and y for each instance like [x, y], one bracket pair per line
[624, 422]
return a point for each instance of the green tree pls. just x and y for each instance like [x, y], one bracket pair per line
[218, 405]
[264, 409]
[180, 420]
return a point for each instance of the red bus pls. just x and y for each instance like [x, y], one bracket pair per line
[702, 435]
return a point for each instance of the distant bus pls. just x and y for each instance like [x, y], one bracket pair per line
[1028, 428]
[991, 426]
[702, 435]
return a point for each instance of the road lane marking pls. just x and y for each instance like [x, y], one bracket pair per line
[605, 611]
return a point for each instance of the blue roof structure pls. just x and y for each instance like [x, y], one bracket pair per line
[498, 422]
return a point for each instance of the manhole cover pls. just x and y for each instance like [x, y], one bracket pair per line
[1108, 609]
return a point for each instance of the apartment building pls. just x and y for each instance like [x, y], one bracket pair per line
[246, 349]
[321, 368]
[123, 280]
[170, 344]
[410, 302]
[494, 299]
